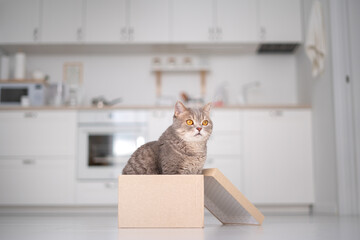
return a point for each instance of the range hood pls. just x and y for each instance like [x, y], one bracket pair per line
[277, 48]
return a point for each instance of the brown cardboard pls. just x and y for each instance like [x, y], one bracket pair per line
[147, 201]
[174, 201]
[226, 202]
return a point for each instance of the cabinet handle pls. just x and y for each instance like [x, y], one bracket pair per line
[28, 161]
[30, 115]
[210, 160]
[123, 34]
[218, 33]
[110, 185]
[276, 113]
[79, 34]
[262, 33]
[36, 34]
[131, 33]
[211, 33]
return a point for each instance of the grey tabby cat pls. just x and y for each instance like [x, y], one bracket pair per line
[181, 149]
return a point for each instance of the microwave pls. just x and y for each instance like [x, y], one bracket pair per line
[11, 93]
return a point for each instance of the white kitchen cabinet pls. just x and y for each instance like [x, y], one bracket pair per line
[278, 157]
[231, 167]
[192, 20]
[105, 21]
[61, 21]
[236, 20]
[36, 181]
[19, 21]
[96, 193]
[37, 133]
[224, 148]
[159, 121]
[127, 21]
[214, 21]
[149, 21]
[280, 21]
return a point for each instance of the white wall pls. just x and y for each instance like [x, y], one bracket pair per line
[354, 30]
[318, 92]
[129, 76]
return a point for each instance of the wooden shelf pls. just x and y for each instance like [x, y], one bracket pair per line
[19, 81]
[180, 69]
[183, 69]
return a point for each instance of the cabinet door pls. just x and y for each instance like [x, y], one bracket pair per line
[159, 121]
[149, 21]
[96, 193]
[278, 157]
[34, 181]
[237, 20]
[192, 20]
[105, 20]
[231, 167]
[19, 21]
[280, 20]
[61, 21]
[37, 133]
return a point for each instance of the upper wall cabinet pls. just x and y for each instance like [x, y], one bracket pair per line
[214, 20]
[145, 21]
[236, 20]
[127, 21]
[280, 21]
[61, 21]
[19, 21]
[192, 20]
[105, 20]
[149, 21]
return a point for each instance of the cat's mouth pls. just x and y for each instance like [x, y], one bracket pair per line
[198, 134]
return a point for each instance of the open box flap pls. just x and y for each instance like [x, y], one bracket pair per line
[226, 202]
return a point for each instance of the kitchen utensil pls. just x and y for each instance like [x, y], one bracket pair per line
[20, 66]
[101, 102]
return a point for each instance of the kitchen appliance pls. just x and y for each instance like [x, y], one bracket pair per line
[106, 141]
[56, 94]
[101, 101]
[11, 93]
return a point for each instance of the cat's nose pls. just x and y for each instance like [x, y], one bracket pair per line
[199, 128]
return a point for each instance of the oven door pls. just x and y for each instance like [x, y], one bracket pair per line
[105, 150]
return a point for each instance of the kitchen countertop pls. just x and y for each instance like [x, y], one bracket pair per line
[146, 107]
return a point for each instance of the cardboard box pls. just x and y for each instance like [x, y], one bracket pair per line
[159, 201]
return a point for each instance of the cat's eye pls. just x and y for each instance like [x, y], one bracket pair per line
[205, 122]
[189, 122]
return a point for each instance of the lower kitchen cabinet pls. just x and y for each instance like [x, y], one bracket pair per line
[96, 193]
[36, 181]
[278, 166]
[231, 167]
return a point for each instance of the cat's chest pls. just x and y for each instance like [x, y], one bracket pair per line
[193, 164]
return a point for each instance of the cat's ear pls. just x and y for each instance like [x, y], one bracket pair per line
[179, 108]
[207, 107]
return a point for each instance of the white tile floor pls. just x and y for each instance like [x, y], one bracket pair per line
[105, 227]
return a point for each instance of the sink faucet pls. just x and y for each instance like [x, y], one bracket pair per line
[243, 97]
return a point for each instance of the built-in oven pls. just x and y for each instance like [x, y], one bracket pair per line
[106, 141]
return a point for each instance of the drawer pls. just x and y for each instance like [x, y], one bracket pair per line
[36, 181]
[230, 167]
[224, 144]
[37, 133]
[226, 120]
[106, 116]
[97, 193]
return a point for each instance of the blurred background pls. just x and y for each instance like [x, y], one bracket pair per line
[86, 82]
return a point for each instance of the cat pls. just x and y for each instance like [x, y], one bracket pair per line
[181, 149]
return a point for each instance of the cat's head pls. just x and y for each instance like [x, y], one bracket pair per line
[192, 124]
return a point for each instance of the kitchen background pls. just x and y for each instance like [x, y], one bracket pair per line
[268, 84]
